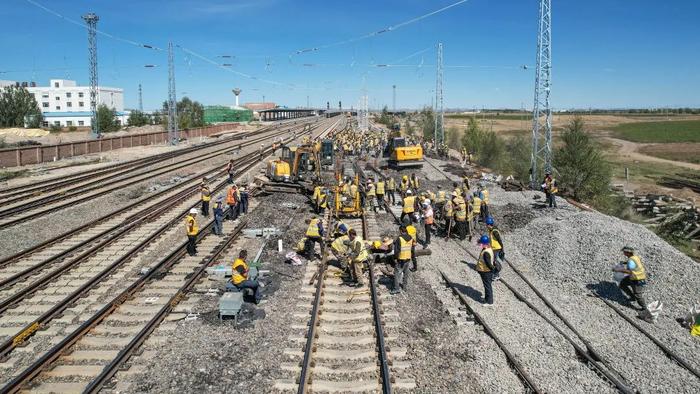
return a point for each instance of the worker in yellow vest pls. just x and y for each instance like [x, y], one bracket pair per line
[447, 214]
[381, 189]
[484, 196]
[485, 267]
[314, 235]
[440, 199]
[240, 278]
[550, 190]
[404, 250]
[460, 208]
[415, 184]
[371, 195]
[633, 285]
[316, 198]
[206, 197]
[476, 208]
[409, 206]
[390, 189]
[457, 189]
[404, 186]
[496, 245]
[192, 230]
[322, 201]
[357, 253]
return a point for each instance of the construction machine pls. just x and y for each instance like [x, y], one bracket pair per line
[327, 153]
[347, 203]
[296, 168]
[402, 155]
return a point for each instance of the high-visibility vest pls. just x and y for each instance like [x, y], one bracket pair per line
[495, 245]
[639, 273]
[461, 211]
[441, 196]
[317, 193]
[449, 209]
[191, 225]
[206, 194]
[404, 185]
[415, 183]
[481, 265]
[231, 196]
[551, 186]
[353, 190]
[458, 191]
[312, 231]
[371, 192]
[237, 277]
[323, 200]
[339, 245]
[391, 184]
[405, 253]
[408, 204]
[380, 187]
[362, 256]
[476, 204]
[485, 193]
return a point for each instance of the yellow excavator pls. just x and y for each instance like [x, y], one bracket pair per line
[400, 153]
[294, 168]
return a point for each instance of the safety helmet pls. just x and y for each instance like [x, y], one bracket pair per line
[489, 221]
[628, 249]
[426, 202]
[377, 244]
[484, 240]
[193, 211]
[409, 191]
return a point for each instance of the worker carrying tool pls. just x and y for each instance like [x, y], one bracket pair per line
[409, 206]
[314, 234]
[549, 186]
[240, 278]
[192, 230]
[634, 282]
[448, 213]
[357, 256]
[496, 246]
[206, 197]
[405, 245]
[485, 268]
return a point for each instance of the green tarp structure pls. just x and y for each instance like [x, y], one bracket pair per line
[219, 114]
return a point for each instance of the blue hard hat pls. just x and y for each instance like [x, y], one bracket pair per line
[484, 240]
[489, 221]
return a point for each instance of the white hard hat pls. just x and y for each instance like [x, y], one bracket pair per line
[409, 191]
[426, 202]
[193, 211]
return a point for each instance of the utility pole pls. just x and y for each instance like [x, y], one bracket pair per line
[172, 98]
[91, 22]
[140, 99]
[542, 130]
[307, 102]
[439, 112]
[393, 103]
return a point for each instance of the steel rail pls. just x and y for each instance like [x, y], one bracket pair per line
[385, 373]
[41, 321]
[97, 221]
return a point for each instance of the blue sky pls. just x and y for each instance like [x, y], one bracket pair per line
[607, 53]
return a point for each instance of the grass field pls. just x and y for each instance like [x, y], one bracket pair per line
[659, 132]
[508, 116]
[687, 152]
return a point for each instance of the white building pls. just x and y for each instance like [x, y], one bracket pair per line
[64, 103]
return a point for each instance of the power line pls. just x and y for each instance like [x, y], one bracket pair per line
[439, 138]
[172, 98]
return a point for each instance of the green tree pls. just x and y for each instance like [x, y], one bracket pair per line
[18, 107]
[517, 158]
[452, 138]
[137, 118]
[409, 129]
[189, 113]
[473, 136]
[583, 170]
[107, 119]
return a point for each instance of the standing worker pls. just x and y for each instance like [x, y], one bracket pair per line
[428, 221]
[440, 202]
[232, 202]
[633, 284]
[192, 231]
[206, 197]
[405, 245]
[496, 246]
[243, 193]
[380, 192]
[218, 216]
[372, 195]
[415, 184]
[409, 205]
[476, 209]
[550, 190]
[485, 268]
[403, 187]
[262, 151]
[391, 188]
[447, 213]
[358, 256]
[230, 171]
[460, 208]
[316, 198]
[240, 278]
[314, 234]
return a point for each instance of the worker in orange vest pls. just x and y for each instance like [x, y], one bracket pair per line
[232, 202]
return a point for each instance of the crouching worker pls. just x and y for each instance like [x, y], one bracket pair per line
[240, 279]
[358, 255]
[314, 234]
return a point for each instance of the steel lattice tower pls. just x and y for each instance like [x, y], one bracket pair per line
[439, 137]
[542, 129]
[140, 99]
[393, 102]
[172, 98]
[91, 22]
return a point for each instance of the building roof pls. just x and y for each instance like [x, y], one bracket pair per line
[76, 114]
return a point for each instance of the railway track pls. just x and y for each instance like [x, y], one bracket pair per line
[548, 312]
[66, 312]
[63, 198]
[346, 345]
[35, 188]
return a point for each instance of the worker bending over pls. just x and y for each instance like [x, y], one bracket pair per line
[357, 254]
[240, 278]
[314, 234]
[633, 284]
